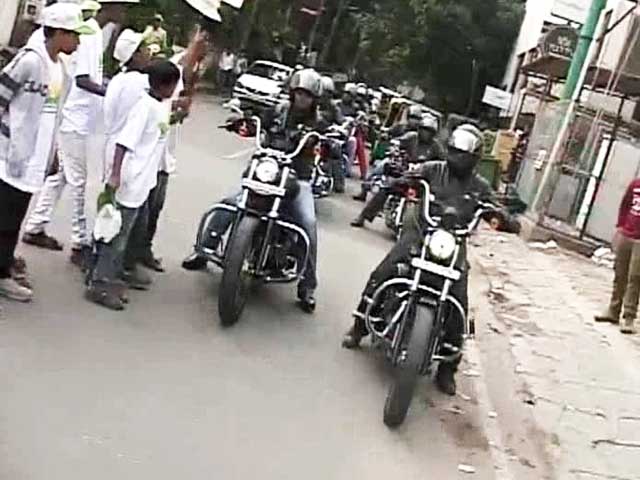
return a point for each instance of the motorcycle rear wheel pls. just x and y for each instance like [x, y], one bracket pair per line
[235, 284]
[406, 374]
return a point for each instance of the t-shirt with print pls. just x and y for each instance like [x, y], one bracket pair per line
[82, 108]
[144, 134]
[36, 167]
[125, 90]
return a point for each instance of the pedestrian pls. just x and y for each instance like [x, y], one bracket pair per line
[155, 34]
[226, 65]
[133, 175]
[32, 90]
[626, 282]
[80, 116]
[140, 249]
[242, 64]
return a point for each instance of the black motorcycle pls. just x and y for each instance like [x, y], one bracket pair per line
[407, 314]
[262, 244]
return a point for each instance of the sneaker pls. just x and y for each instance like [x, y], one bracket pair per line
[12, 290]
[607, 317]
[80, 256]
[137, 279]
[42, 240]
[445, 379]
[194, 263]
[150, 261]
[19, 273]
[628, 327]
[105, 295]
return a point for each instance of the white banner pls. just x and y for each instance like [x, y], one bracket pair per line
[497, 98]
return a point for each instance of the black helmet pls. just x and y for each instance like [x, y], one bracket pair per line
[308, 80]
[466, 144]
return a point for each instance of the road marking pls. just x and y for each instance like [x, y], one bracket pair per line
[239, 154]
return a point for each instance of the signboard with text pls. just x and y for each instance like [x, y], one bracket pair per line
[497, 98]
[561, 42]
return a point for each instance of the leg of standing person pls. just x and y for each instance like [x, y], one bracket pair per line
[104, 288]
[623, 248]
[351, 148]
[73, 149]
[35, 230]
[363, 161]
[632, 294]
[15, 204]
[157, 199]
[135, 277]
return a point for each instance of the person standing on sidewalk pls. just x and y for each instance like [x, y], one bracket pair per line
[32, 91]
[79, 119]
[626, 244]
[133, 175]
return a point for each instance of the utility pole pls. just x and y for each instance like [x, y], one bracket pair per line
[585, 51]
[342, 6]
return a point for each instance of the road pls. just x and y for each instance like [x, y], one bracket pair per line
[163, 392]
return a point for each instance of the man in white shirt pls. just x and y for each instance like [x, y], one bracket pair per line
[225, 69]
[32, 90]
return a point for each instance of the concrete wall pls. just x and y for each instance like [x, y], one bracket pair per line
[8, 13]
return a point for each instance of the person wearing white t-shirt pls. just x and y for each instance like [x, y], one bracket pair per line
[80, 117]
[32, 89]
[133, 176]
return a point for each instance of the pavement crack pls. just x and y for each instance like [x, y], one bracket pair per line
[614, 443]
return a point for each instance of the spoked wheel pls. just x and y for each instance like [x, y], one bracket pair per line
[406, 373]
[236, 278]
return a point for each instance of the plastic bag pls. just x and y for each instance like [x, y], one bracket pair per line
[109, 220]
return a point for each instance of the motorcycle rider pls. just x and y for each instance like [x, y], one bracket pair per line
[283, 132]
[453, 182]
[331, 114]
[422, 146]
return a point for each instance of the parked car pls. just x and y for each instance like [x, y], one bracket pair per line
[263, 85]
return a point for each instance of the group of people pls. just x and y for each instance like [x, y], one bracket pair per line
[54, 99]
[451, 173]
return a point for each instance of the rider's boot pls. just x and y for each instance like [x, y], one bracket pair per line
[358, 331]
[445, 378]
[194, 262]
[359, 221]
[306, 300]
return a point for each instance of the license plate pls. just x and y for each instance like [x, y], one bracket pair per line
[431, 267]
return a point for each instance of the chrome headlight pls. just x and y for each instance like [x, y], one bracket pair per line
[267, 171]
[442, 245]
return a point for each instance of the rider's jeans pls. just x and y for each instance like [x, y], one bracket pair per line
[303, 212]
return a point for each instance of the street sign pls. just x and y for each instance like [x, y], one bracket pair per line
[497, 98]
[561, 42]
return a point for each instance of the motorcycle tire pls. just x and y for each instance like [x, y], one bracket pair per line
[234, 289]
[407, 373]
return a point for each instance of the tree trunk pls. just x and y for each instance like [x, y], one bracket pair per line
[251, 25]
[342, 6]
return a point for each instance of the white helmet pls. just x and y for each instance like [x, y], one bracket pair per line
[429, 122]
[308, 80]
[351, 89]
[361, 90]
[415, 112]
[467, 138]
[328, 87]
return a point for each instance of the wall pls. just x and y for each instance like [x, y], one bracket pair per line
[7, 19]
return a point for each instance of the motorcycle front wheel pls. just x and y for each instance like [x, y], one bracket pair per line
[407, 372]
[236, 281]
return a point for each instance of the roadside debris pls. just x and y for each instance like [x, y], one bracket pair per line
[604, 256]
[550, 245]
[466, 468]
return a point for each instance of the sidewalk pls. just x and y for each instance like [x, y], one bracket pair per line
[578, 382]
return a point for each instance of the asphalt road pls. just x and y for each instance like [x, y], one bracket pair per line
[163, 392]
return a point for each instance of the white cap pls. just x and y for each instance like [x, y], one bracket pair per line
[126, 45]
[66, 16]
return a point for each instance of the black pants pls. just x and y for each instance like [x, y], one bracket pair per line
[14, 204]
[146, 226]
[375, 205]
[387, 269]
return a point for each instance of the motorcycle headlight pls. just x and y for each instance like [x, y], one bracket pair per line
[267, 171]
[442, 245]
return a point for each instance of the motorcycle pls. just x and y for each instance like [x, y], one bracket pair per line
[330, 156]
[262, 244]
[406, 315]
